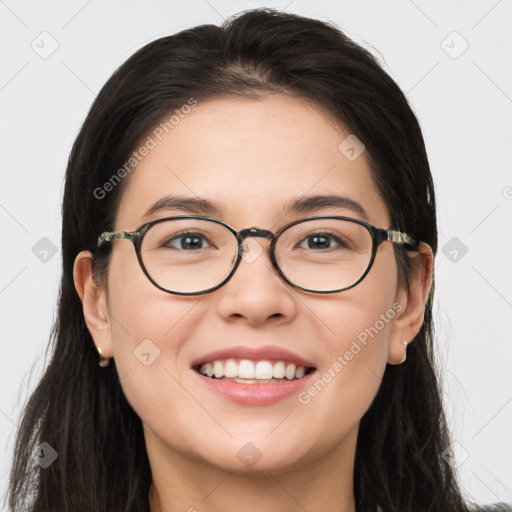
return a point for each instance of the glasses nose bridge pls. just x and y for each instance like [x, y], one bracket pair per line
[255, 232]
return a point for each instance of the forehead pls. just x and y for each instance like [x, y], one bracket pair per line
[252, 158]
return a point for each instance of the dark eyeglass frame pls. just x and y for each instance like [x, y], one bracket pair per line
[378, 235]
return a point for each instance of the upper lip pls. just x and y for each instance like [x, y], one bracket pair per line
[254, 353]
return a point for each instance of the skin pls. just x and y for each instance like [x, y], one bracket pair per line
[252, 156]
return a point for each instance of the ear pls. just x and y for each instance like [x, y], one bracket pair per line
[94, 303]
[409, 320]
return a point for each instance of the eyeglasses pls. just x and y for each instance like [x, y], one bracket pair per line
[194, 255]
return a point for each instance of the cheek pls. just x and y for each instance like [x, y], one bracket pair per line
[147, 328]
[356, 330]
[359, 320]
[346, 385]
[355, 356]
[148, 359]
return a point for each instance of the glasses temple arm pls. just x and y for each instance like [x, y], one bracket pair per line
[401, 238]
[107, 236]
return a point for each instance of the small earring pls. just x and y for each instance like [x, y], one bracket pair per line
[104, 361]
[405, 355]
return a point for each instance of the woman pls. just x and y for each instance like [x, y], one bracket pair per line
[249, 229]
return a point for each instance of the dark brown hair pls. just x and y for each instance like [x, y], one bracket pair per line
[80, 409]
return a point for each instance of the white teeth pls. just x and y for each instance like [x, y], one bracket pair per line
[290, 371]
[279, 370]
[263, 370]
[218, 370]
[246, 369]
[300, 372]
[231, 368]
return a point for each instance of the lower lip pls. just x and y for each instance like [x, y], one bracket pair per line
[255, 394]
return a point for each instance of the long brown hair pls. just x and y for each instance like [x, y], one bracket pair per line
[80, 410]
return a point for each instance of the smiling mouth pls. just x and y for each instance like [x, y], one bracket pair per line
[247, 376]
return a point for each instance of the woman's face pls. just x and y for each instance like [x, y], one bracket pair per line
[252, 157]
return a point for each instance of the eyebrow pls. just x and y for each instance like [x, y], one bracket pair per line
[302, 205]
[309, 204]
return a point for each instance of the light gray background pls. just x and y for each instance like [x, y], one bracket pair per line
[463, 102]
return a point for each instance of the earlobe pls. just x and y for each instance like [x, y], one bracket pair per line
[408, 323]
[94, 303]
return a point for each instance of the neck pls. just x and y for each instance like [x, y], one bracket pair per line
[180, 483]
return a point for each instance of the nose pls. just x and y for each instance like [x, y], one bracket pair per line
[256, 291]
